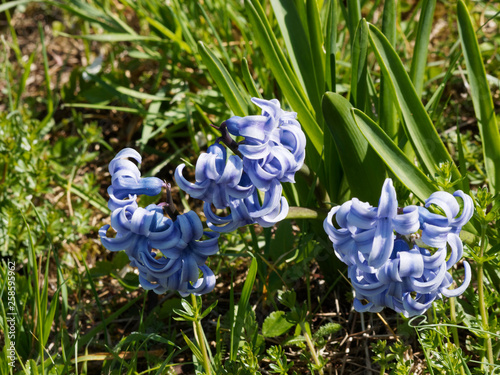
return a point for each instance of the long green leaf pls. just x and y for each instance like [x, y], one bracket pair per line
[49, 96]
[282, 73]
[13, 4]
[318, 53]
[359, 84]
[481, 97]
[331, 45]
[225, 83]
[169, 34]
[393, 157]
[217, 36]
[421, 132]
[354, 16]
[242, 308]
[419, 60]
[249, 82]
[298, 47]
[139, 95]
[387, 110]
[332, 164]
[116, 37]
[364, 170]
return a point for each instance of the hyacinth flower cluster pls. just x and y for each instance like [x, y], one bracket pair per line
[169, 253]
[247, 184]
[400, 257]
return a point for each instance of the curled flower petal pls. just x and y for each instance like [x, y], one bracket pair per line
[388, 204]
[383, 243]
[407, 222]
[126, 179]
[458, 291]
[217, 182]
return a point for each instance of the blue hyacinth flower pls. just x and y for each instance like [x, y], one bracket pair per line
[386, 266]
[126, 181]
[274, 143]
[408, 283]
[168, 254]
[249, 211]
[217, 181]
[370, 230]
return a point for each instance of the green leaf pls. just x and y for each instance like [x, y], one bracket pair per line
[318, 53]
[394, 158]
[217, 36]
[113, 37]
[331, 45]
[13, 4]
[224, 82]
[354, 16]
[249, 82]
[208, 309]
[194, 349]
[242, 308]
[49, 317]
[359, 87]
[421, 132]
[282, 241]
[419, 60]
[364, 170]
[298, 46]
[139, 95]
[481, 97]
[283, 74]
[276, 324]
[387, 111]
[169, 34]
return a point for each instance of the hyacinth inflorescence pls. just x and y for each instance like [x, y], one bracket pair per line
[388, 264]
[271, 152]
[169, 254]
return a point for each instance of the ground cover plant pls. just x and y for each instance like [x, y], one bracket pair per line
[249, 187]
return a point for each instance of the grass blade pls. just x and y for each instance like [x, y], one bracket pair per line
[37, 307]
[481, 97]
[50, 98]
[298, 47]
[359, 84]
[225, 83]
[249, 82]
[169, 34]
[331, 45]
[242, 308]
[13, 4]
[423, 136]
[316, 41]
[359, 161]
[419, 60]
[287, 80]
[113, 37]
[354, 16]
[217, 36]
[393, 157]
[387, 110]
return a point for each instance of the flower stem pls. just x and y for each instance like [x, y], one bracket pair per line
[200, 335]
[310, 344]
[480, 287]
[169, 206]
[225, 138]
